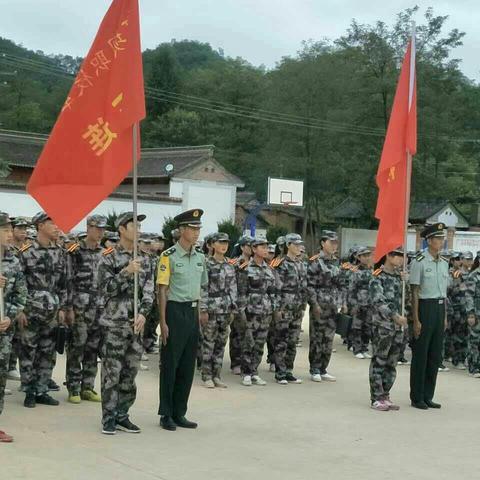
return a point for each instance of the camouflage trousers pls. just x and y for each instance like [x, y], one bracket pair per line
[256, 330]
[459, 337]
[150, 336]
[386, 346]
[121, 353]
[322, 332]
[271, 343]
[37, 352]
[215, 335]
[237, 332]
[287, 333]
[5, 349]
[473, 355]
[12, 364]
[83, 351]
[447, 340]
[361, 331]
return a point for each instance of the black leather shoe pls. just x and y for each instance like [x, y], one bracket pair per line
[30, 401]
[46, 399]
[167, 423]
[184, 423]
[52, 386]
[431, 404]
[420, 405]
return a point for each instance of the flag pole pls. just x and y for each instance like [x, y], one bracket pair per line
[135, 217]
[409, 170]
[2, 307]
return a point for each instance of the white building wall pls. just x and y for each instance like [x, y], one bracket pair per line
[19, 203]
[176, 189]
[217, 201]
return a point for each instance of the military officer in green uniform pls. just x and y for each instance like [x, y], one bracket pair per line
[428, 279]
[181, 273]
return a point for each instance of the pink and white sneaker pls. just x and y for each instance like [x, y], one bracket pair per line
[380, 405]
[391, 405]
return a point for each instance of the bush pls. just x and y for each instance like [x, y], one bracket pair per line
[169, 225]
[274, 232]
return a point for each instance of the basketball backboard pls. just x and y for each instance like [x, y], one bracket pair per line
[282, 191]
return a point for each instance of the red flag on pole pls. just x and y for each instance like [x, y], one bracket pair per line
[89, 151]
[393, 175]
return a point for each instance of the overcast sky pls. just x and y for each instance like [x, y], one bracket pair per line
[261, 31]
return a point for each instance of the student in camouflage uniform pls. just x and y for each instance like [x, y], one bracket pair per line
[457, 316]
[292, 281]
[237, 327]
[20, 242]
[473, 319]
[83, 348]
[359, 300]
[323, 297]
[219, 301]
[385, 289]
[122, 344]
[14, 291]
[44, 264]
[257, 300]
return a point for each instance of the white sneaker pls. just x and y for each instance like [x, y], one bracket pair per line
[326, 377]
[360, 356]
[7, 391]
[460, 366]
[256, 380]
[316, 377]
[366, 355]
[237, 371]
[247, 381]
[282, 382]
[334, 350]
[143, 367]
[219, 384]
[144, 357]
[271, 368]
[13, 375]
[209, 384]
[476, 375]
[155, 350]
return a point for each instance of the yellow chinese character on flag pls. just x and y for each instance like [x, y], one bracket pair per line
[116, 43]
[100, 136]
[100, 62]
[391, 174]
[83, 81]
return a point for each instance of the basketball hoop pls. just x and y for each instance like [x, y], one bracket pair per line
[288, 203]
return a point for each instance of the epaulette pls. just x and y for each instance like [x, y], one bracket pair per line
[244, 265]
[108, 251]
[169, 251]
[457, 274]
[73, 248]
[276, 262]
[232, 261]
[377, 272]
[25, 247]
[420, 257]
[314, 257]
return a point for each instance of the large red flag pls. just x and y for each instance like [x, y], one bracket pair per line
[392, 176]
[90, 149]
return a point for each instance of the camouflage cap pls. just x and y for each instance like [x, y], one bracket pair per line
[271, 248]
[156, 237]
[245, 240]
[329, 235]
[293, 238]
[112, 236]
[145, 238]
[5, 219]
[20, 222]
[31, 233]
[259, 241]
[363, 251]
[40, 217]
[280, 240]
[396, 251]
[220, 237]
[98, 221]
[467, 256]
[80, 236]
[127, 217]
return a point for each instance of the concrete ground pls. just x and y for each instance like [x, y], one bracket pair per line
[295, 432]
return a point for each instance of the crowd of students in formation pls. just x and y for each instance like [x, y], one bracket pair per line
[255, 295]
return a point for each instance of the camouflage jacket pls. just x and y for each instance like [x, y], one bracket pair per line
[323, 277]
[359, 287]
[83, 275]
[15, 291]
[472, 297]
[257, 289]
[116, 288]
[45, 270]
[292, 282]
[220, 294]
[456, 291]
[385, 291]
